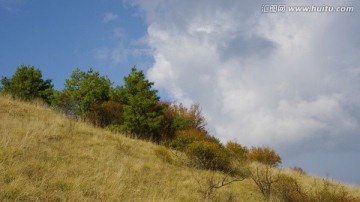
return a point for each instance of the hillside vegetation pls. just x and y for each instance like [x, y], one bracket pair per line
[48, 157]
[57, 146]
[45, 156]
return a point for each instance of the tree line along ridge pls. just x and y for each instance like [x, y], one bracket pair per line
[135, 109]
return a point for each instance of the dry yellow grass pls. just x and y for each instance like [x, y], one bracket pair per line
[309, 182]
[45, 156]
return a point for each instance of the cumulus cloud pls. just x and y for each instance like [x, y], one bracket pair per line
[287, 80]
[109, 17]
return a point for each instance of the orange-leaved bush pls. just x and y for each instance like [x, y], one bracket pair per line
[185, 137]
[236, 151]
[264, 155]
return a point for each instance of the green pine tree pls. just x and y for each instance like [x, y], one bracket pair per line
[82, 91]
[27, 84]
[142, 113]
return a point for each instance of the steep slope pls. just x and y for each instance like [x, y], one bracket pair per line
[45, 156]
[48, 157]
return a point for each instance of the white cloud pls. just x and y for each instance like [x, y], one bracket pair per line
[109, 17]
[287, 80]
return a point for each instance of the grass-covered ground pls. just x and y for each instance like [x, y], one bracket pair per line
[45, 156]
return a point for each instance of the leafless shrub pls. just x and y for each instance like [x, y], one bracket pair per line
[264, 177]
[217, 180]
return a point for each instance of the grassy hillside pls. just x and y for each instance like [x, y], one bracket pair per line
[45, 156]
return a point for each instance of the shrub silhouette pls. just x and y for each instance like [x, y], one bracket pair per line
[27, 84]
[264, 155]
[180, 142]
[288, 189]
[177, 117]
[236, 151]
[185, 118]
[185, 137]
[298, 170]
[208, 155]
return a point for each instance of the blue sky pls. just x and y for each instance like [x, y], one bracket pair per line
[58, 36]
[286, 80]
